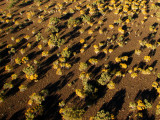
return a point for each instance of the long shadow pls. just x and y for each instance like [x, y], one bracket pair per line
[15, 89]
[4, 53]
[21, 26]
[73, 34]
[96, 70]
[70, 97]
[60, 83]
[67, 16]
[34, 54]
[4, 77]
[42, 71]
[76, 48]
[51, 108]
[130, 53]
[19, 115]
[49, 61]
[152, 53]
[146, 116]
[26, 4]
[152, 65]
[150, 95]
[74, 60]
[100, 56]
[18, 46]
[114, 105]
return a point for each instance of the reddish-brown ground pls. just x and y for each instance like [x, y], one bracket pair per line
[115, 101]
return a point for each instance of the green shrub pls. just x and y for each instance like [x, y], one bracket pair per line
[102, 115]
[104, 79]
[71, 113]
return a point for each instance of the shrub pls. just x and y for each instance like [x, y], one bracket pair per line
[54, 20]
[32, 112]
[37, 99]
[102, 115]
[30, 72]
[65, 53]
[83, 66]
[84, 77]
[73, 22]
[86, 18]
[71, 113]
[55, 41]
[39, 37]
[104, 79]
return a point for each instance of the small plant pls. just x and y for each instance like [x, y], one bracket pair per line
[22, 88]
[8, 68]
[22, 51]
[155, 84]
[1, 99]
[93, 61]
[147, 58]
[7, 86]
[123, 65]
[61, 104]
[132, 106]
[158, 109]
[80, 93]
[90, 32]
[137, 52]
[25, 59]
[27, 37]
[111, 85]
[117, 59]
[14, 76]
[59, 71]
[133, 75]
[44, 53]
[18, 61]
[140, 105]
